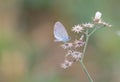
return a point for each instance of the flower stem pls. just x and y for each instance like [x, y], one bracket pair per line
[86, 72]
[81, 61]
[96, 28]
[86, 42]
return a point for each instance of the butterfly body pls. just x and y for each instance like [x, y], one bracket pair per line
[60, 32]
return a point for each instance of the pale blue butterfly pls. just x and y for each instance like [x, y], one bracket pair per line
[60, 32]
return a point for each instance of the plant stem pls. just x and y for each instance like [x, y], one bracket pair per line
[96, 28]
[86, 72]
[86, 42]
[81, 61]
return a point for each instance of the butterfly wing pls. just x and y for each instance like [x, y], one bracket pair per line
[60, 32]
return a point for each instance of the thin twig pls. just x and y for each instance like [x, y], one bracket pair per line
[86, 72]
[86, 42]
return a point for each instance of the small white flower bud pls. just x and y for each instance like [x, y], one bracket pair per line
[98, 15]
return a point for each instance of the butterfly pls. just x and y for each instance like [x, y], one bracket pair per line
[60, 32]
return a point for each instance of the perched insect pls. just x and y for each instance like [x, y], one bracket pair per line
[60, 32]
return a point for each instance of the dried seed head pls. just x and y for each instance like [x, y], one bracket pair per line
[79, 43]
[88, 25]
[69, 52]
[76, 55]
[106, 24]
[77, 28]
[67, 45]
[66, 64]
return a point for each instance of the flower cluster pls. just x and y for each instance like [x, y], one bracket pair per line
[73, 53]
[97, 19]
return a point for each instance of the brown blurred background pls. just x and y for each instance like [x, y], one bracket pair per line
[28, 52]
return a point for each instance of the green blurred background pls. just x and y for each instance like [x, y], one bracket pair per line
[28, 52]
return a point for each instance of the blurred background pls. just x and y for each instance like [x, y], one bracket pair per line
[28, 52]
